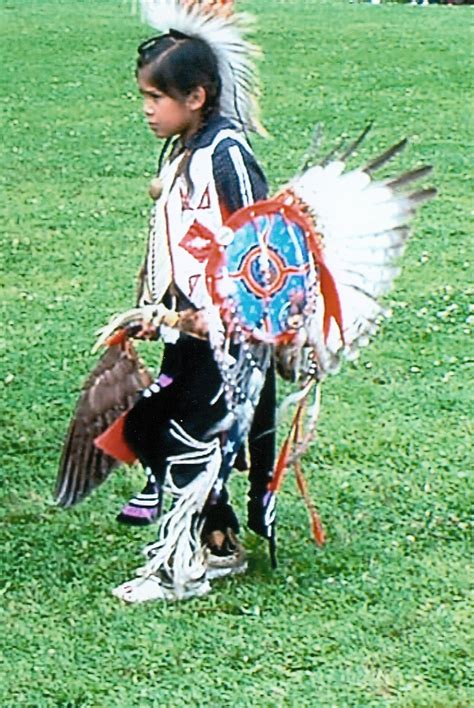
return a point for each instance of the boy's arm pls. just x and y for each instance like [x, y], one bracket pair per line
[240, 182]
[238, 178]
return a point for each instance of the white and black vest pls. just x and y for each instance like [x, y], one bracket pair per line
[177, 210]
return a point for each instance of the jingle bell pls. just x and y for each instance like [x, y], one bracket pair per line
[156, 188]
[225, 236]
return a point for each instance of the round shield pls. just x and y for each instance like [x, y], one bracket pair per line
[268, 264]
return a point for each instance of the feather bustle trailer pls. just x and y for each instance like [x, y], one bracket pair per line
[225, 32]
[364, 226]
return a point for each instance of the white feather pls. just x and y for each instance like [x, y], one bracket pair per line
[363, 225]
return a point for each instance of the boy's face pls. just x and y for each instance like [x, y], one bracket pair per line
[166, 116]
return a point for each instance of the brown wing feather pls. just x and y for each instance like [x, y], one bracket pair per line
[110, 390]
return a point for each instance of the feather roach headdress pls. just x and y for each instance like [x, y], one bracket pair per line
[216, 23]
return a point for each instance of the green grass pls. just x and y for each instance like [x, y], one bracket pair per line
[381, 616]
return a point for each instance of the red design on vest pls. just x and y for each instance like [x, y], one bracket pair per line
[198, 241]
[193, 279]
[205, 202]
[185, 205]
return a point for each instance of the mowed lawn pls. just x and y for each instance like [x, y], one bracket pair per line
[382, 615]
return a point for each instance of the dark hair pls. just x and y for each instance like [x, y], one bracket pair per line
[178, 64]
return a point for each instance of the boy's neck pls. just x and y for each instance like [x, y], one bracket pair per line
[195, 126]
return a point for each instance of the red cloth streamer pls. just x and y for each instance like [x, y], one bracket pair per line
[113, 443]
[315, 520]
[332, 304]
[118, 337]
[281, 466]
[282, 462]
[293, 439]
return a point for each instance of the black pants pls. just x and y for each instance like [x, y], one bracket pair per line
[189, 392]
[193, 399]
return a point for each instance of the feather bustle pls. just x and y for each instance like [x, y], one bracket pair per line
[364, 226]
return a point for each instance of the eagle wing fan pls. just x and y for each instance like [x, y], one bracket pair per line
[109, 391]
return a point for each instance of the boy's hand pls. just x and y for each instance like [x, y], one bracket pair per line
[146, 330]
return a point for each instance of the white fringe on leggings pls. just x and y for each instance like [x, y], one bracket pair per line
[178, 557]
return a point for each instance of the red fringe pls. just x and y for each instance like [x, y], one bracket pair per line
[315, 520]
[281, 466]
[292, 440]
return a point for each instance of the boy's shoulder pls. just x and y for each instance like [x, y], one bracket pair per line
[219, 132]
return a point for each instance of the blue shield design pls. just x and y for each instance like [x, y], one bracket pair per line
[268, 263]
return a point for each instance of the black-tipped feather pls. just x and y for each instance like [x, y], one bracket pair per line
[313, 147]
[336, 154]
[385, 157]
[408, 177]
[355, 144]
[422, 195]
[332, 154]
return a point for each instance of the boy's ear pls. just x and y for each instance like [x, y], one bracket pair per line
[197, 98]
